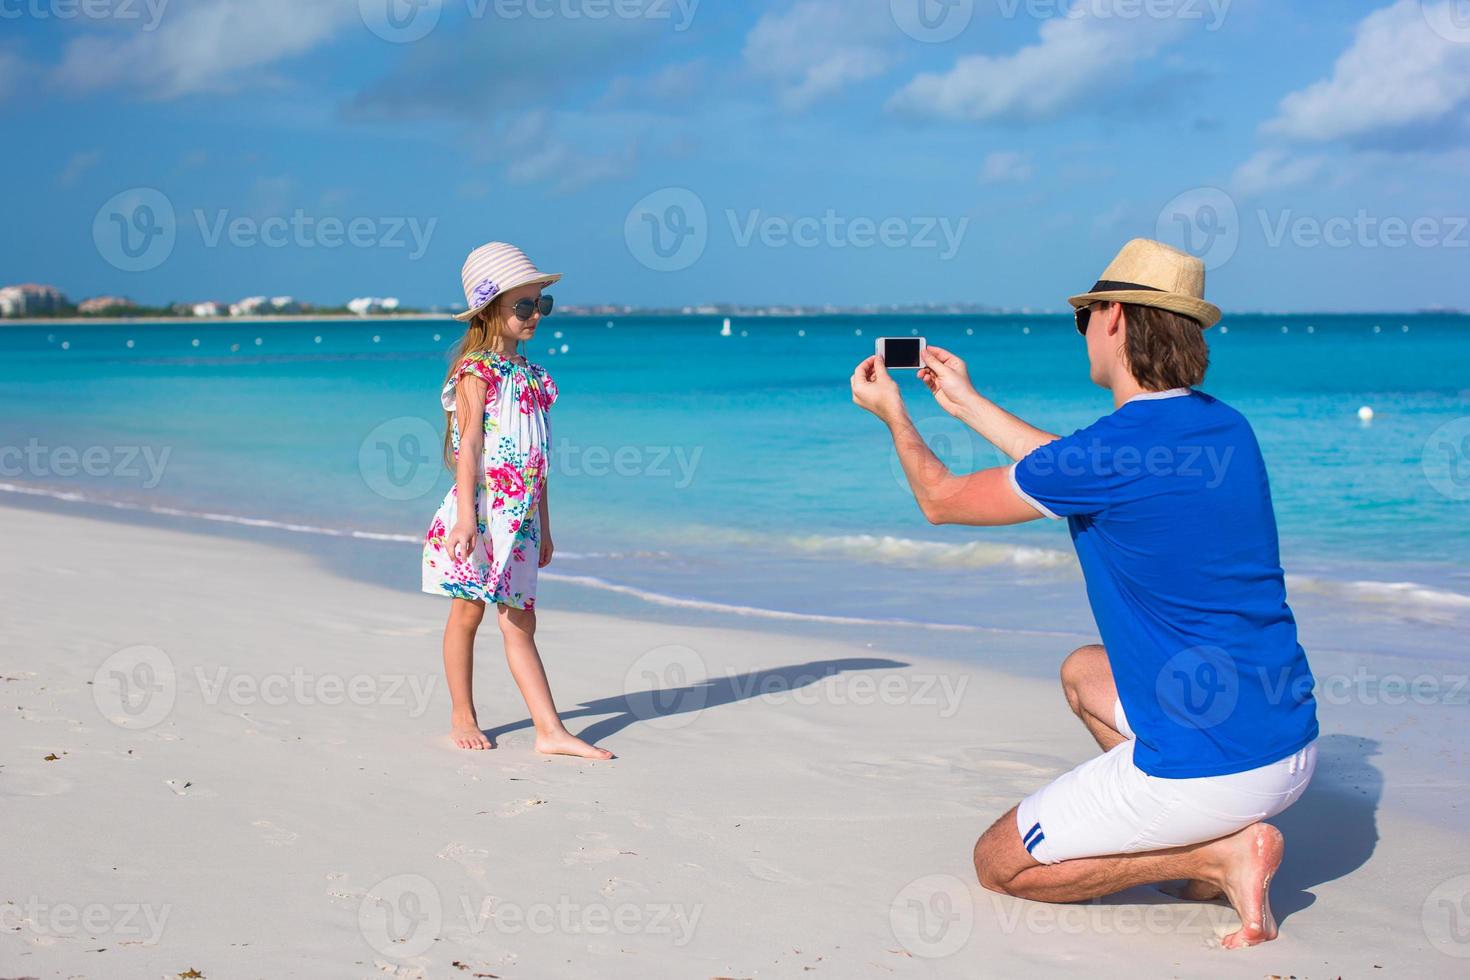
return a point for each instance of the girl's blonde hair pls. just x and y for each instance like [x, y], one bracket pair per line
[482, 329]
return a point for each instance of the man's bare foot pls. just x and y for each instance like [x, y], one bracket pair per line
[465, 732]
[1195, 891]
[1248, 858]
[565, 743]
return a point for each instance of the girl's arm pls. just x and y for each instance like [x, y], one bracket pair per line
[469, 405]
[545, 510]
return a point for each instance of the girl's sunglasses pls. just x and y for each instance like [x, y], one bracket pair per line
[524, 308]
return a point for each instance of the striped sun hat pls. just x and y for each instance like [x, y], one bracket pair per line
[493, 269]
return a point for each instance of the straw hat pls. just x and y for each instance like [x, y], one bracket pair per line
[1150, 273]
[496, 268]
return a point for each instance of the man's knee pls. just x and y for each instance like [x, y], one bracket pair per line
[1000, 856]
[1081, 667]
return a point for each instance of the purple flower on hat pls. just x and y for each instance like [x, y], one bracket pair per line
[484, 289]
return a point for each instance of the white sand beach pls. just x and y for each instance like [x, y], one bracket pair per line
[220, 759]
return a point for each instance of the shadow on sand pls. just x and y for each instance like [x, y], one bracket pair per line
[713, 692]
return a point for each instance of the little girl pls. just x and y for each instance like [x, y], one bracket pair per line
[493, 530]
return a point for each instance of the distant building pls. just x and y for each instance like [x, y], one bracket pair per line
[29, 299]
[364, 305]
[101, 304]
[287, 304]
[249, 306]
[209, 308]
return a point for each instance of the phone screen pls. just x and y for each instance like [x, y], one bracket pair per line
[901, 352]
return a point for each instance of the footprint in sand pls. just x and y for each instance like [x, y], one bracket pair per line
[516, 807]
[589, 855]
[474, 860]
[180, 787]
[622, 888]
[278, 836]
[766, 871]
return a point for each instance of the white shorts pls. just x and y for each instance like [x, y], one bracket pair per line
[1108, 805]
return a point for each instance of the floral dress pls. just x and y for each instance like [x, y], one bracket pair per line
[502, 568]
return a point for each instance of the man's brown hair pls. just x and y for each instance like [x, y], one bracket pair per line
[1165, 350]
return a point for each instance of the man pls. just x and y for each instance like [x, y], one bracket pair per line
[1199, 696]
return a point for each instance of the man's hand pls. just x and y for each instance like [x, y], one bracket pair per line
[875, 390]
[948, 379]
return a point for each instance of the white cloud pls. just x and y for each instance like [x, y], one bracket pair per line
[1399, 75]
[537, 156]
[1273, 169]
[1079, 57]
[1006, 166]
[79, 164]
[208, 46]
[818, 47]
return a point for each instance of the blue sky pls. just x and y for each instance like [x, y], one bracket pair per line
[817, 151]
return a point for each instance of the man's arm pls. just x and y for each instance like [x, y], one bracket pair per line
[982, 499]
[947, 376]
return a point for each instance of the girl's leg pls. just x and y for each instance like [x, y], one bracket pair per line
[518, 626]
[459, 670]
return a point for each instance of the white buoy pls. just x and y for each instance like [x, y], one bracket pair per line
[1377, 328]
[914, 332]
[1311, 329]
[801, 333]
[376, 338]
[744, 333]
[436, 337]
[609, 324]
[1025, 329]
[725, 330]
[1365, 414]
[1285, 328]
[195, 342]
[258, 341]
[969, 331]
[565, 348]
[858, 332]
[234, 348]
[1405, 328]
[557, 335]
[1224, 329]
[130, 345]
[66, 345]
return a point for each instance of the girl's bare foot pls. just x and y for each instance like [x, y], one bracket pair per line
[465, 732]
[565, 743]
[1248, 858]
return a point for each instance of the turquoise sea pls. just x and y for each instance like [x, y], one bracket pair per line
[731, 475]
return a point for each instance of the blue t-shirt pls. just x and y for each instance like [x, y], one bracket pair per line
[1170, 511]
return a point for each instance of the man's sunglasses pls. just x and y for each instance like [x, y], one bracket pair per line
[1082, 314]
[524, 308]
